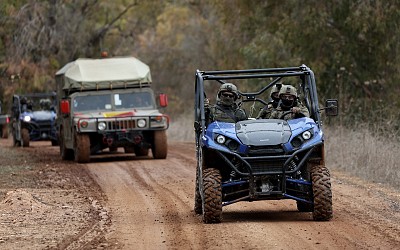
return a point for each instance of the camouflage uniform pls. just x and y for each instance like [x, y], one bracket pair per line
[226, 110]
[266, 111]
[294, 105]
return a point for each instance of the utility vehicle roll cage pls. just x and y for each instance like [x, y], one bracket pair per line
[308, 87]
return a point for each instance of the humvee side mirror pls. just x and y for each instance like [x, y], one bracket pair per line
[163, 99]
[331, 107]
[65, 109]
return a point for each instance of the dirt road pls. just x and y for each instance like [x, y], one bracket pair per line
[141, 203]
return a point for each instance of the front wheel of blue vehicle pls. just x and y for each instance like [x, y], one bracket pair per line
[212, 196]
[322, 193]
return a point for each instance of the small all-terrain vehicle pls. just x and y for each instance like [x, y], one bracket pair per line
[34, 118]
[262, 159]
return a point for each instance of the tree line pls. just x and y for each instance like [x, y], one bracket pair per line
[352, 46]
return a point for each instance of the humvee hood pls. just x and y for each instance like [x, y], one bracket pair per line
[122, 113]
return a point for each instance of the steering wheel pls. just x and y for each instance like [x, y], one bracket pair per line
[285, 114]
[297, 115]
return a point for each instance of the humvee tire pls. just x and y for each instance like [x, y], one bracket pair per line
[66, 154]
[198, 209]
[159, 147]
[82, 148]
[321, 185]
[25, 137]
[212, 196]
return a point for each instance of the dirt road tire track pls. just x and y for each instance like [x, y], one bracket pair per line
[143, 203]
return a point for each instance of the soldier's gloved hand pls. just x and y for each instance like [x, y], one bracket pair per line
[296, 110]
[206, 102]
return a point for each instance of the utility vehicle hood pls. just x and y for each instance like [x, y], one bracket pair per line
[263, 132]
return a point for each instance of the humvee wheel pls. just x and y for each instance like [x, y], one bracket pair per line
[66, 154]
[4, 132]
[321, 185]
[159, 147]
[82, 148]
[141, 151]
[212, 196]
[25, 137]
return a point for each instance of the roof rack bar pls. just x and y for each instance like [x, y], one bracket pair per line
[213, 77]
[251, 70]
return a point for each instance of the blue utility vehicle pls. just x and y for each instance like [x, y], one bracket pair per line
[262, 159]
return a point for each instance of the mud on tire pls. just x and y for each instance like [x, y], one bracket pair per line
[66, 154]
[160, 147]
[322, 193]
[82, 148]
[212, 196]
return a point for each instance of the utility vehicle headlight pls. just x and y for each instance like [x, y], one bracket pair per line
[101, 126]
[221, 139]
[27, 118]
[141, 123]
[306, 135]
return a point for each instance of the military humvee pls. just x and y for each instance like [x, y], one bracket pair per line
[109, 103]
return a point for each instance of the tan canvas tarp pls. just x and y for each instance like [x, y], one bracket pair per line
[103, 73]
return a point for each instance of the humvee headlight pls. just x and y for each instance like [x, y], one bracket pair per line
[221, 139]
[306, 135]
[27, 118]
[101, 126]
[141, 123]
[84, 124]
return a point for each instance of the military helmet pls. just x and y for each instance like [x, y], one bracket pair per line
[228, 87]
[276, 88]
[288, 90]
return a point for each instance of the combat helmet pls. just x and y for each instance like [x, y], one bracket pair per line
[288, 90]
[228, 87]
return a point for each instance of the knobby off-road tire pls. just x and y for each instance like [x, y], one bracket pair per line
[159, 148]
[141, 151]
[66, 154]
[25, 137]
[82, 148]
[212, 196]
[321, 184]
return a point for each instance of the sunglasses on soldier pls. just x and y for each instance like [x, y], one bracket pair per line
[228, 95]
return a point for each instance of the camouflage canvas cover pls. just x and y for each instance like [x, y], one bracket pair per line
[103, 73]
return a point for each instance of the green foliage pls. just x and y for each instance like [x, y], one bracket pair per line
[352, 46]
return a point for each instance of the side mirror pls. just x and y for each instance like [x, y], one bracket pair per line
[331, 107]
[163, 99]
[65, 109]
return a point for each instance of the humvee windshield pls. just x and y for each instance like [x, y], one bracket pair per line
[113, 101]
